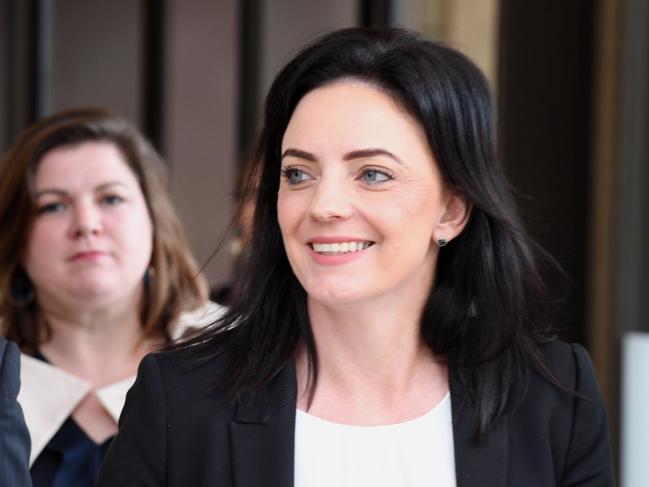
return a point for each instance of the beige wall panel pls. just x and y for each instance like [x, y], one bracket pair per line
[469, 25]
[200, 121]
[97, 55]
[472, 27]
[287, 25]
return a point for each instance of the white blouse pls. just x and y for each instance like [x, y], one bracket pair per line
[411, 454]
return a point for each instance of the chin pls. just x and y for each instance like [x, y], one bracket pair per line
[337, 296]
[92, 295]
[100, 291]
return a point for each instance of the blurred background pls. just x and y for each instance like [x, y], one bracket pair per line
[571, 84]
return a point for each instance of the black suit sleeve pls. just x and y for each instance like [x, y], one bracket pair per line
[14, 437]
[137, 455]
[589, 457]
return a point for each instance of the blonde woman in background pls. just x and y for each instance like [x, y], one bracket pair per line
[95, 272]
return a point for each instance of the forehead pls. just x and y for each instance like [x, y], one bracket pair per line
[88, 164]
[354, 113]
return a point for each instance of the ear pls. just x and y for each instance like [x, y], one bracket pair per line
[454, 218]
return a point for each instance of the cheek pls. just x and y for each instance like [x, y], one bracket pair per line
[43, 251]
[288, 210]
[43, 238]
[136, 233]
[423, 205]
[408, 219]
[416, 203]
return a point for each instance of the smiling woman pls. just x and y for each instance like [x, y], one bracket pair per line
[358, 175]
[386, 325]
[94, 273]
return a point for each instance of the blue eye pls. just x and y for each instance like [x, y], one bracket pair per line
[374, 176]
[295, 176]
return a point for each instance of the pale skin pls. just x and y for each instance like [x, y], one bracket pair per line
[358, 171]
[87, 251]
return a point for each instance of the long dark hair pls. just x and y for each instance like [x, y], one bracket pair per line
[482, 313]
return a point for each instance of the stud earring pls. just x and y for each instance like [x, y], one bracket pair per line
[442, 242]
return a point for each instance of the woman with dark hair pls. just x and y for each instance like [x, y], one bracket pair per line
[95, 272]
[385, 329]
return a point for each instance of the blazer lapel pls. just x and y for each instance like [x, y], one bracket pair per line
[262, 435]
[477, 465]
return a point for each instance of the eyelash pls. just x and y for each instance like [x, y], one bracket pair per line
[289, 171]
[366, 170]
[49, 208]
[112, 199]
[57, 207]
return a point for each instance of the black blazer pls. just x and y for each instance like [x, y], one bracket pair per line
[177, 431]
[14, 437]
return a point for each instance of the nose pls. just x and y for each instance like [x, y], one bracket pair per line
[331, 201]
[87, 221]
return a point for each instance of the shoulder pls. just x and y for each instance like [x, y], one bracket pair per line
[565, 417]
[175, 368]
[572, 367]
[185, 386]
[9, 363]
[8, 351]
[174, 423]
[9, 368]
[563, 378]
[14, 438]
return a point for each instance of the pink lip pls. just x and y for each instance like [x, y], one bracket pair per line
[323, 259]
[88, 255]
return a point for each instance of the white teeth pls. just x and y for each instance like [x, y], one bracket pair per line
[340, 247]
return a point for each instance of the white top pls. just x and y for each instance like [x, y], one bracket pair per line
[48, 394]
[411, 454]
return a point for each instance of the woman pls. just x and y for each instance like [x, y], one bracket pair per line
[385, 330]
[95, 272]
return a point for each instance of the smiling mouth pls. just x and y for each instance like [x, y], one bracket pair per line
[339, 248]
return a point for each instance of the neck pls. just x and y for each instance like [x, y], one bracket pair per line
[371, 357]
[368, 338]
[101, 344]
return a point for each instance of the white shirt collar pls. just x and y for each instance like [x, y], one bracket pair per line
[48, 395]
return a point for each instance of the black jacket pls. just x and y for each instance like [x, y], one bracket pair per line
[175, 430]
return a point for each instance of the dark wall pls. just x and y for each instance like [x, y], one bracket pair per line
[546, 51]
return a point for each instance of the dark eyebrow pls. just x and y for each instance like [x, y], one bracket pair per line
[364, 153]
[357, 154]
[300, 154]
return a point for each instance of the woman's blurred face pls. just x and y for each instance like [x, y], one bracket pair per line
[360, 197]
[92, 237]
